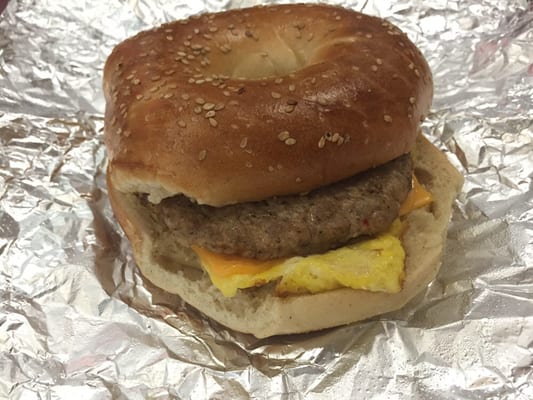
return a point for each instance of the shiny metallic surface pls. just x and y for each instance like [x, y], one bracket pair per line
[78, 321]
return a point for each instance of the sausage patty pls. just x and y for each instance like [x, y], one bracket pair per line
[284, 226]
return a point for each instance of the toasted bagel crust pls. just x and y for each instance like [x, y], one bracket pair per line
[253, 103]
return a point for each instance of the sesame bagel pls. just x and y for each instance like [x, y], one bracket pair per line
[267, 101]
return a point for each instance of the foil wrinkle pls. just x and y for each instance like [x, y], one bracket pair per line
[77, 320]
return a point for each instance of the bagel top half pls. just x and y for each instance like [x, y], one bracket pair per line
[260, 102]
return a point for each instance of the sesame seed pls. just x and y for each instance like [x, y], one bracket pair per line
[129, 77]
[335, 137]
[248, 164]
[219, 107]
[136, 81]
[298, 179]
[321, 142]
[374, 68]
[199, 100]
[170, 38]
[278, 80]
[412, 100]
[292, 88]
[168, 95]
[289, 108]
[322, 102]
[173, 86]
[284, 135]
[226, 93]
[185, 96]
[275, 95]
[213, 29]
[182, 124]
[387, 118]
[290, 141]
[417, 73]
[170, 72]
[244, 142]
[154, 89]
[338, 18]
[379, 61]
[202, 155]
[208, 106]
[368, 36]
[233, 126]
[411, 66]
[271, 168]
[365, 124]
[139, 96]
[213, 122]
[210, 114]
[340, 141]
[156, 78]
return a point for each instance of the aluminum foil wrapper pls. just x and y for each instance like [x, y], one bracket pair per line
[77, 320]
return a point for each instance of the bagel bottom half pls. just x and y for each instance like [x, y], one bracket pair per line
[261, 313]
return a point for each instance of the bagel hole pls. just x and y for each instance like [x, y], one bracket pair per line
[274, 57]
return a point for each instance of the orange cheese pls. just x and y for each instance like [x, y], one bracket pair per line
[225, 266]
[418, 197]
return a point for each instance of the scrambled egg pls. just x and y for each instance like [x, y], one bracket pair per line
[375, 264]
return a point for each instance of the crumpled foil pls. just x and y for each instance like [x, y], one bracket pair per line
[77, 320]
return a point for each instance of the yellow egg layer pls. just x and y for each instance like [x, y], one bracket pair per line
[375, 264]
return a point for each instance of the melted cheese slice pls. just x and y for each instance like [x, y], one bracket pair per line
[418, 197]
[375, 264]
